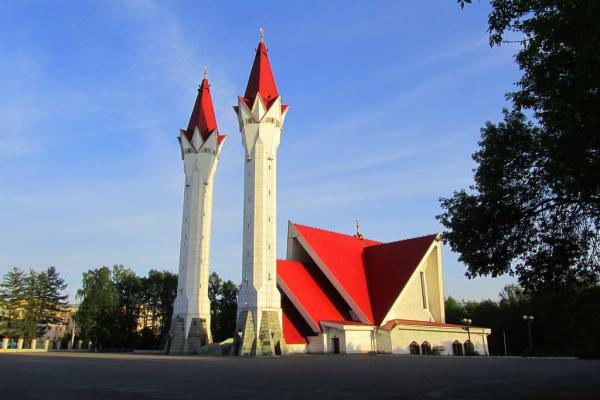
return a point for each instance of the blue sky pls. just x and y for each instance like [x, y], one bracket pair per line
[386, 102]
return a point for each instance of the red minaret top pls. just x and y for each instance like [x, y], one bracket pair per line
[261, 80]
[203, 115]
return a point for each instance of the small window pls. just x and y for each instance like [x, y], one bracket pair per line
[423, 290]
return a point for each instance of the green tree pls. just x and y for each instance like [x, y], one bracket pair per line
[98, 309]
[51, 299]
[12, 299]
[129, 294]
[159, 289]
[455, 311]
[223, 307]
[534, 209]
[228, 309]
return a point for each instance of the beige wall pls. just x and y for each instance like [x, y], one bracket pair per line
[409, 304]
[401, 337]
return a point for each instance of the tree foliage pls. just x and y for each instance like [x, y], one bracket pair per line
[121, 310]
[563, 324]
[534, 209]
[223, 307]
[31, 302]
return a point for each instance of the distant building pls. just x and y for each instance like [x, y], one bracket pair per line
[66, 329]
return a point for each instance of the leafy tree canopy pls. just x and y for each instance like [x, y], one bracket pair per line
[534, 209]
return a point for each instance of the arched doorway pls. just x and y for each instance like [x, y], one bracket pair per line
[414, 349]
[425, 348]
[457, 348]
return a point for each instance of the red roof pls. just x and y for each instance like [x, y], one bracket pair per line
[308, 287]
[261, 79]
[295, 329]
[342, 256]
[363, 274]
[389, 267]
[203, 114]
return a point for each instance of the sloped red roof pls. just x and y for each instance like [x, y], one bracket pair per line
[295, 329]
[308, 287]
[389, 267]
[203, 114]
[343, 258]
[261, 79]
[371, 273]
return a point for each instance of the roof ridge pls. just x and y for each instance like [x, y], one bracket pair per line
[337, 233]
[403, 240]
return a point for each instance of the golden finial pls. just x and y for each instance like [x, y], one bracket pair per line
[358, 235]
[262, 34]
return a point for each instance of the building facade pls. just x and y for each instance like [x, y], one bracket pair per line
[348, 294]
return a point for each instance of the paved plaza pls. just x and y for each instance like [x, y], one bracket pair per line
[127, 376]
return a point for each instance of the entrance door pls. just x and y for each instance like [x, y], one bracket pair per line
[336, 345]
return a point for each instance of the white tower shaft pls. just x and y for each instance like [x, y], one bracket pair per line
[192, 286]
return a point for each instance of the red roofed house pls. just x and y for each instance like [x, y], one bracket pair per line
[348, 294]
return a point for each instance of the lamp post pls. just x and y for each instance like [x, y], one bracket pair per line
[468, 322]
[528, 319]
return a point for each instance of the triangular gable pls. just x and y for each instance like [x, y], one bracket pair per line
[341, 259]
[310, 293]
[389, 267]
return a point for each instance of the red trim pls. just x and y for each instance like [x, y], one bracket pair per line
[354, 323]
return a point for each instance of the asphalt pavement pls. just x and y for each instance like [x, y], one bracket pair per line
[127, 376]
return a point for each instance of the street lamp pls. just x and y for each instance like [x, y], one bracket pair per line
[528, 319]
[468, 322]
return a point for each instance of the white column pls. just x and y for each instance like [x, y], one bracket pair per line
[261, 132]
[192, 286]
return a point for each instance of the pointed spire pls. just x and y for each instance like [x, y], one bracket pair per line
[358, 235]
[203, 115]
[261, 78]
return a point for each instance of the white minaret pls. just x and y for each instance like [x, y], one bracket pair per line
[260, 116]
[200, 148]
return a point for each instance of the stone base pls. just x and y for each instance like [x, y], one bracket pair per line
[270, 338]
[245, 340]
[176, 340]
[198, 336]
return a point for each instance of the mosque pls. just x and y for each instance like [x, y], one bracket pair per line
[334, 292]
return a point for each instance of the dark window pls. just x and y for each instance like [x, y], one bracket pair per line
[414, 349]
[425, 348]
[469, 348]
[457, 348]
